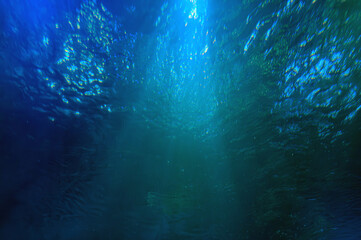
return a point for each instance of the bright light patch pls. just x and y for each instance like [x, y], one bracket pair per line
[193, 14]
[45, 40]
[205, 49]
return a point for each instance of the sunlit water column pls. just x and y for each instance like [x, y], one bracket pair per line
[179, 108]
[179, 71]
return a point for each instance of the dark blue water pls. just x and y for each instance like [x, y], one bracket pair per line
[189, 119]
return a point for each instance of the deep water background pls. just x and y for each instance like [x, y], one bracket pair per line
[189, 119]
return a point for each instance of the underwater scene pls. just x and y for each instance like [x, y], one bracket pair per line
[180, 119]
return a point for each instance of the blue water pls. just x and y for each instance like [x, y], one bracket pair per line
[187, 119]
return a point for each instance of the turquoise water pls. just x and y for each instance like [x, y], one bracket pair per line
[189, 119]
